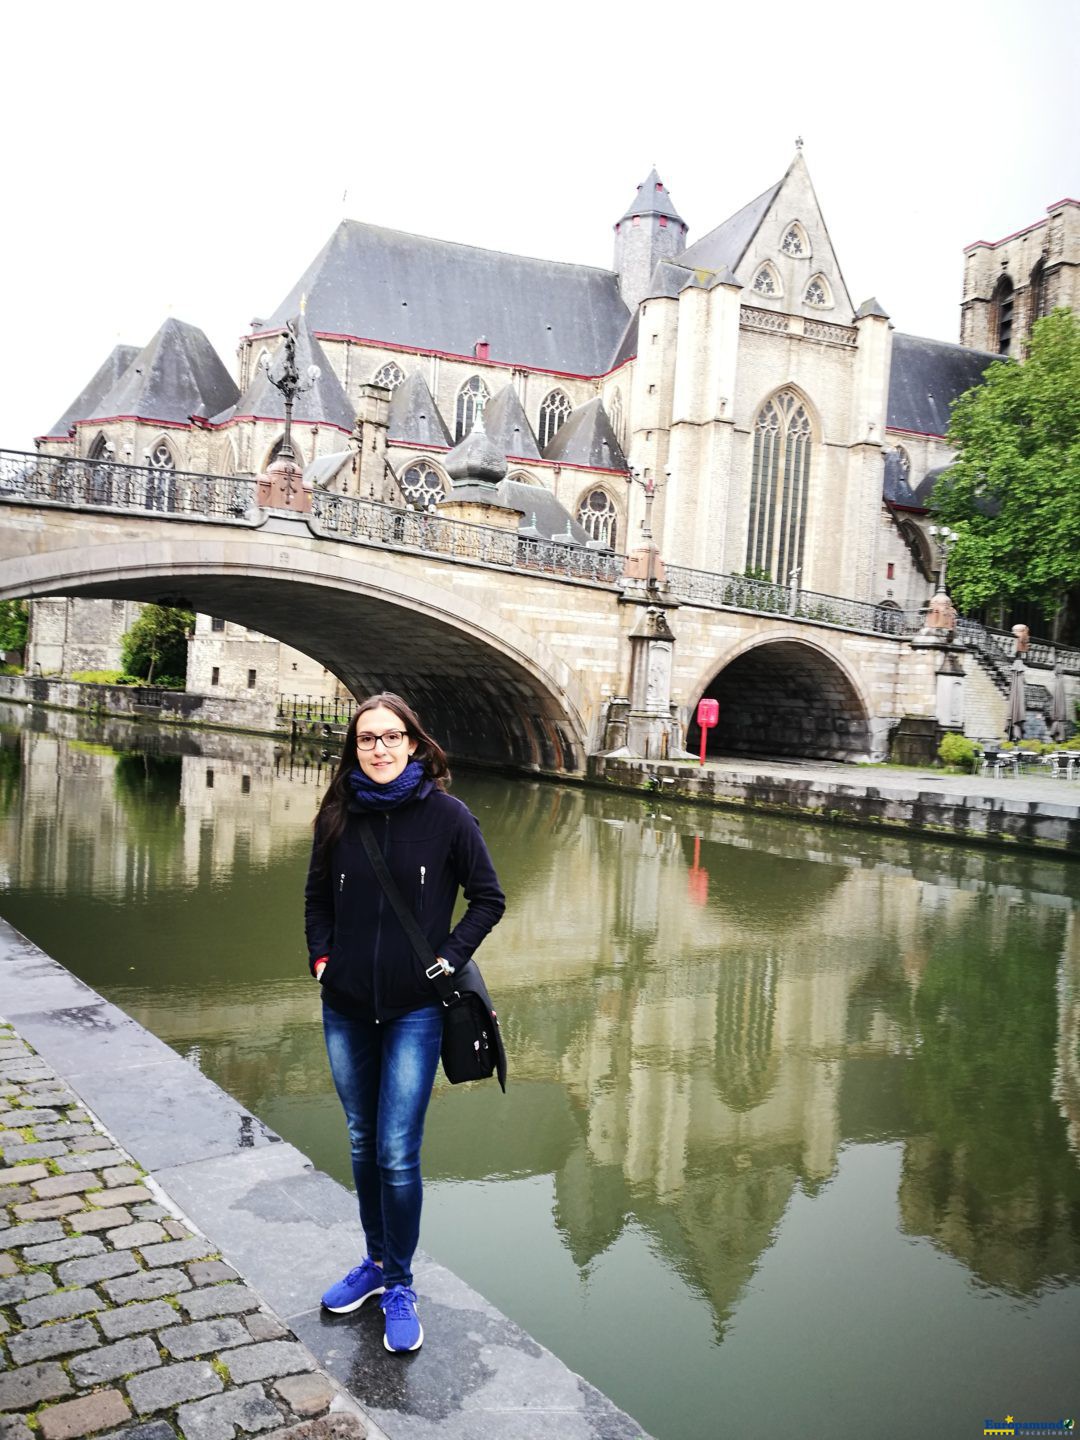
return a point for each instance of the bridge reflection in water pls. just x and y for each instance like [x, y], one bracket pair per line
[818, 1093]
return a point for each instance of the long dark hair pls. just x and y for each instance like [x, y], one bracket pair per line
[334, 807]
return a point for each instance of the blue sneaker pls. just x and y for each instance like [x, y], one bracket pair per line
[403, 1328]
[359, 1285]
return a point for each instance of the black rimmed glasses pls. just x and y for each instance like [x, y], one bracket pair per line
[366, 740]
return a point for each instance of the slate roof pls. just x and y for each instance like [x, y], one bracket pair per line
[324, 404]
[586, 438]
[894, 484]
[727, 244]
[325, 467]
[508, 426]
[926, 377]
[414, 416]
[539, 509]
[652, 198]
[627, 344]
[177, 375]
[415, 291]
[87, 403]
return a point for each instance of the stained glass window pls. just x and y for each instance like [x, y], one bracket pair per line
[817, 292]
[554, 413]
[472, 396]
[389, 376]
[766, 281]
[795, 241]
[421, 484]
[599, 517]
[779, 487]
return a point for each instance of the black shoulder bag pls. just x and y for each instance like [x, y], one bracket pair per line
[472, 1045]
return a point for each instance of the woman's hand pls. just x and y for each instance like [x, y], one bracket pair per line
[320, 966]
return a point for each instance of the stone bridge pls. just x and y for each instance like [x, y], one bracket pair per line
[530, 654]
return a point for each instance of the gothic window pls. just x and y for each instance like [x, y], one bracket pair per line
[160, 457]
[795, 242]
[554, 413]
[472, 397]
[421, 484]
[1003, 314]
[101, 449]
[818, 293]
[598, 517]
[767, 281]
[615, 414]
[779, 487]
[1037, 306]
[389, 376]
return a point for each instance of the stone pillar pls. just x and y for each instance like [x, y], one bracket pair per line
[372, 421]
[651, 730]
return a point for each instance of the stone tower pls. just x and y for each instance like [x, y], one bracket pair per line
[650, 231]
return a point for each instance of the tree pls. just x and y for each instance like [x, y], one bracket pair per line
[1013, 491]
[14, 616]
[157, 643]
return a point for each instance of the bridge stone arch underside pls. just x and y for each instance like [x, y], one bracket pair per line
[489, 691]
[786, 696]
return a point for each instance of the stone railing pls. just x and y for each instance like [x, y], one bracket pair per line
[830, 333]
[753, 319]
[107, 485]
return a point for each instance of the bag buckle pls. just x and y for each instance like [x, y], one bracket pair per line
[437, 969]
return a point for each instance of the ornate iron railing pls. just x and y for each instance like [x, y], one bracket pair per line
[108, 485]
[739, 592]
[997, 647]
[346, 517]
[316, 708]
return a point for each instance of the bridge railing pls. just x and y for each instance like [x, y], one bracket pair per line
[741, 592]
[106, 484]
[347, 517]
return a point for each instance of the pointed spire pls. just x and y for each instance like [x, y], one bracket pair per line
[414, 416]
[653, 199]
[508, 427]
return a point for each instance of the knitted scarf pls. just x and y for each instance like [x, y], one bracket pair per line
[367, 794]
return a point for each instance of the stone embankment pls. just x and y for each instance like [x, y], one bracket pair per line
[116, 1314]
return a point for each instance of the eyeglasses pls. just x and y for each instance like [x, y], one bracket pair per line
[390, 738]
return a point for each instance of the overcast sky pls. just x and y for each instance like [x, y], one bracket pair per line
[190, 160]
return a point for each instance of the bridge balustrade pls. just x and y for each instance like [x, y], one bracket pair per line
[109, 485]
[742, 592]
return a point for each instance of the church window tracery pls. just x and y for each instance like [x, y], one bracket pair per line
[779, 487]
[598, 516]
[421, 484]
[767, 281]
[795, 242]
[472, 397]
[554, 412]
[389, 376]
[101, 448]
[160, 457]
[818, 293]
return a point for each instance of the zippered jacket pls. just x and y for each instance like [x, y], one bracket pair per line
[432, 846]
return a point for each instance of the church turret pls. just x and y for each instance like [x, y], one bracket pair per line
[650, 231]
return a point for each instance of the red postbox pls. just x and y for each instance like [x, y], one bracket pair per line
[708, 715]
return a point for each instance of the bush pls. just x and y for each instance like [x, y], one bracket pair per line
[98, 677]
[157, 642]
[957, 752]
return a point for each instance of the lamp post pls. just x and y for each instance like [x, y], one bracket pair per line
[945, 539]
[284, 376]
[648, 485]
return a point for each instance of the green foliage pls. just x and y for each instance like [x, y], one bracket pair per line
[1013, 492]
[102, 677]
[958, 752]
[6, 669]
[14, 619]
[157, 643]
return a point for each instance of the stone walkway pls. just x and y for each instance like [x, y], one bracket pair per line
[116, 1315]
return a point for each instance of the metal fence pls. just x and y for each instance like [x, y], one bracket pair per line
[739, 592]
[108, 485]
[317, 709]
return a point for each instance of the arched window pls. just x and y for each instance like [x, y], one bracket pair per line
[795, 241]
[767, 281]
[389, 376]
[554, 412]
[160, 456]
[779, 487]
[818, 293]
[599, 518]
[1037, 306]
[1003, 314]
[101, 449]
[615, 414]
[472, 397]
[421, 484]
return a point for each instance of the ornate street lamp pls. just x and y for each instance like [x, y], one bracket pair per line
[945, 539]
[284, 376]
[648, 484]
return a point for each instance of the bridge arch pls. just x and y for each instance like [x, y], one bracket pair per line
[785, 695]
[489, 690]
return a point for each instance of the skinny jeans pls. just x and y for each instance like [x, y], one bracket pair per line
[383, 1074]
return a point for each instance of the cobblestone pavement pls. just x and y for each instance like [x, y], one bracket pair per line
[116, 1317]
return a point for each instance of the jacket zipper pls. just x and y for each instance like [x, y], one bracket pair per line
[423, 877]
[341, 882]
[378, 928]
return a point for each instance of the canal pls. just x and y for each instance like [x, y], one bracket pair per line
[792, 1138]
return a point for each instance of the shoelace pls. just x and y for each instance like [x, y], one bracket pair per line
[355, 1273]
[398, 1303]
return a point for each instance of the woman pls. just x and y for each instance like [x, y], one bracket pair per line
[381, 1016]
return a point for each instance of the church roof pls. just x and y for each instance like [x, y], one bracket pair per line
[414, 416]
[627, 344]
[652, 198]
[926, 377]
[586, 438]
[727, 244]
[540, 511]
[415, 291]
[508, 426]
[177, 375]
[325, 403]
[87, 403]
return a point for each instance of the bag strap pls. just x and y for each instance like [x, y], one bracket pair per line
[417, 939]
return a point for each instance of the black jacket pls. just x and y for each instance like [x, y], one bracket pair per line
[432, 846]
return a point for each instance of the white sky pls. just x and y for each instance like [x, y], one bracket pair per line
[191, 159]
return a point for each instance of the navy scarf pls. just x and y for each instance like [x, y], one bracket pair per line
[367, 794]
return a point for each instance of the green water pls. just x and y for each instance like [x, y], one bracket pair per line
[792, 1141]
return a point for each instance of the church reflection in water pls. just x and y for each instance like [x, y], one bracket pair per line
[703, 1010]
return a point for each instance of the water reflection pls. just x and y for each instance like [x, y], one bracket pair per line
[704, 1011]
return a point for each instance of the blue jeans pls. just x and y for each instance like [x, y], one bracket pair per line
[383, 1075]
